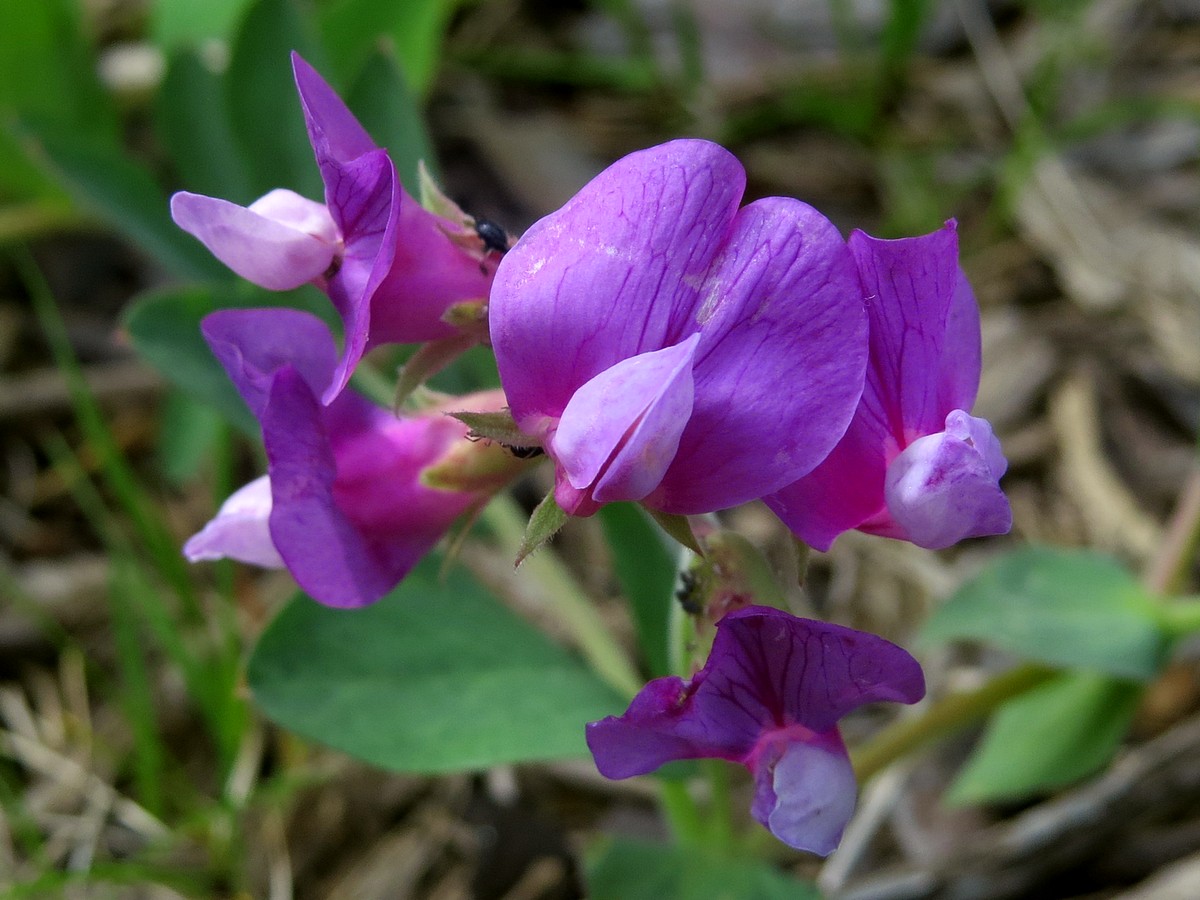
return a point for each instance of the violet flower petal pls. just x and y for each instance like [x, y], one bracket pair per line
[943, 487]
[910, 284]
[962, 359]
[332, 129]
[267, 252]
[781, 362]
[364, 196]
[253, 344]
[767, 670]
[350, 516]
[808, 796]
[239, 530]
[620, 431]
[614, 273]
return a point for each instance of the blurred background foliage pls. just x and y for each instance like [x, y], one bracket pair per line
[1062, 135]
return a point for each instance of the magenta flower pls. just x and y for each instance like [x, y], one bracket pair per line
[769, 697]
[914, 464]
[391, 268]
[667, 347]
[342, 507]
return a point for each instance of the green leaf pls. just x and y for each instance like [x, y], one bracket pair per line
[165, 329]
[122, 193]
[187, 435]
[193, 123]
[435, 677]
[1054, 735]
[178, 22]
[352, 28]
[645, 566]
[544, 522]
[263, 104]
[1067, 608]
[629, 870]
[381, 99]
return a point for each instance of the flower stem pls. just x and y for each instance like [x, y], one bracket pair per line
[944, 717]
[683, 815]
[572, 607]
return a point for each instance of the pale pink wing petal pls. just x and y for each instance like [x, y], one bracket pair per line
[239, 529]
[268, 253]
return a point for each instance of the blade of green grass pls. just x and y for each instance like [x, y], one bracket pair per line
[137, 693]
[118, 475]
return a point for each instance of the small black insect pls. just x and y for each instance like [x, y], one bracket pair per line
[689, 587]
[524, 452]
[495, 238]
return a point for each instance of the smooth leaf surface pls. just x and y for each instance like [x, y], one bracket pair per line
[629, 870]
[178, 22]
[263, 104]
[1067, 608]
[416, 28]
[124, 194]
[436, 677]
[193, 122]
[1054, 735]
[645, 568]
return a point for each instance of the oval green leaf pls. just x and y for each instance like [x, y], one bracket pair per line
[1068, 608]
[436, 677]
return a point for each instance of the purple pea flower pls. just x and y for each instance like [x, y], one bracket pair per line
[391, 268]
[769, 697]
[343, 506]
[914, 464]
[667, 347]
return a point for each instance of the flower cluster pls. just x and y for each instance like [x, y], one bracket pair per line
[663, 344]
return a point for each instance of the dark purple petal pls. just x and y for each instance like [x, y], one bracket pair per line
[350, 517]
[271, 253]
[943, 487]
[239, 530]
[781, 363]
[778, 669]
[768, 671]
[252, 344]
[615, 272]
[652, 732]
[805, 793]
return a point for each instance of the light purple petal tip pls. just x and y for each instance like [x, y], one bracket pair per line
[270, 253]
[239, 529]
[810, 797]
[253, 344]
[944, 487]
[620, 431]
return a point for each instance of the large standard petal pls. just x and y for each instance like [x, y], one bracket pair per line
[613, 273]
[804, 672]
[620, 431]
[944, 487]
[781, 362]
[253, 344]
[266, 252]
[239, 530]
[910, 286]
[962, 350]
